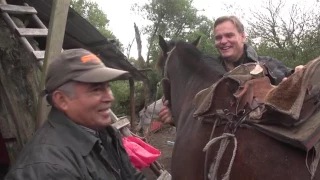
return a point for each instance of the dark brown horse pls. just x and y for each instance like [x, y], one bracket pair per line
[258, 157]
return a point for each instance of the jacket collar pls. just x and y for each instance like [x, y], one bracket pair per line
[75, 137]
[249, 55]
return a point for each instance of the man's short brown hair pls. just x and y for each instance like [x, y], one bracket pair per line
[233, 19]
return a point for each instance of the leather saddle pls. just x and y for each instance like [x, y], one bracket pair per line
[244, 92]
[236, 93]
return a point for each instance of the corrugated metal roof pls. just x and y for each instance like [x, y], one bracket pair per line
[80, 33]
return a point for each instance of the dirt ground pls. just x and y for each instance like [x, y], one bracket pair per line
[160, 140]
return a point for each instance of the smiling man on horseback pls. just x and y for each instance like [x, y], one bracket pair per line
[229, 37]
[232, 99]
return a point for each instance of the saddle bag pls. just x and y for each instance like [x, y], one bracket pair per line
[288, 112]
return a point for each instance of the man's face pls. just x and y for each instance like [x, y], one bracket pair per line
[90, 105]
[229, 41]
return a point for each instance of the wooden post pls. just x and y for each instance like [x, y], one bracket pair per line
[132, 106]
[57, 25]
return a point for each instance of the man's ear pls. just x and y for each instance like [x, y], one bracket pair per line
[60, 100]
[244, 37]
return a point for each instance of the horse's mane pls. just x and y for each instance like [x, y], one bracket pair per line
[197, 59]
[192, 56]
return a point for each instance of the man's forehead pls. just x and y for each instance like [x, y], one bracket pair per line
[98, 84]
[225, 33]
[225, 26]
[91, 85]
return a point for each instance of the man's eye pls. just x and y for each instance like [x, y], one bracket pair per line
[229, 35]
[95, 89]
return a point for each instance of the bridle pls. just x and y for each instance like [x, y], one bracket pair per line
[165, 69]
[165, 80]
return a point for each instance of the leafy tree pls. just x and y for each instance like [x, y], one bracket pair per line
[94, 14]
[169, 18]
[121, 92]
[294, 39]
[175, 20]
[204, 29]
[291, 36]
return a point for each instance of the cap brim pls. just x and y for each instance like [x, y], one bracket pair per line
[100, 75]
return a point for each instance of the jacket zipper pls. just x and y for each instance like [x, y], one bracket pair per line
[106, 159]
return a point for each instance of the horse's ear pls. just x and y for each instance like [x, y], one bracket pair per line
[163, 44]
[197, 41]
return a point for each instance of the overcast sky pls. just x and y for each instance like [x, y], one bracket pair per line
[122, 18]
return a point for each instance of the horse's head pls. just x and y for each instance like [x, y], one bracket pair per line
[186, 71]
[166, 47]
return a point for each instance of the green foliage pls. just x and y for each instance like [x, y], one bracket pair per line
[175, 20]
[203, 29]
[139, 95]
[121, 93]
[171, 17]
[94, 14]
[292, 37]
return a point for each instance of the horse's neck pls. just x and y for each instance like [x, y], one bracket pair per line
[188, 81]
[188, 76]
[183, 90]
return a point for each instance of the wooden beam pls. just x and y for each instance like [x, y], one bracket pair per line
[14, 9]
[121, 123]
[32, 32]
[36, 19]
[165, 175]
[132, 106]
[124, 130]
[39, 54]
[57, 26]
[13, 27]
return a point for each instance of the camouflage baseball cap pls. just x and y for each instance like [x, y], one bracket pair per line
[78, 65]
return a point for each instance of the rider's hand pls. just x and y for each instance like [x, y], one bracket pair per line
[165, 114]
[296, 69]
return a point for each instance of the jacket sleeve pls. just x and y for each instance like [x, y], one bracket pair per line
[277, 69]
[41, 171]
